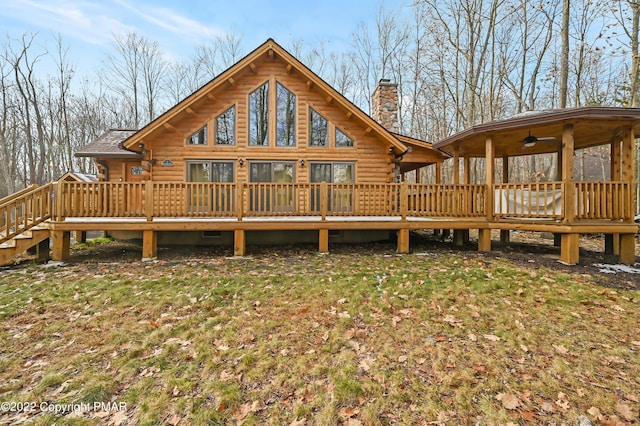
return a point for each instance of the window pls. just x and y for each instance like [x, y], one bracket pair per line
[281, 172]
[343, 140]
[285, 116]
[199, 137]
[339, 199]
[226, 127]
[332, 172]
[210, 198]
[259, 116]
[270, 198]
[319, 136]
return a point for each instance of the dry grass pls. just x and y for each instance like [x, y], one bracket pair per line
[362, 337]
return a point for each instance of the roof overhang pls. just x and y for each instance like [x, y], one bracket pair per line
[593, 126]
[109, 145]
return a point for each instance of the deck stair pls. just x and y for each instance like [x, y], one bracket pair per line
[21, 218]
[33, 238]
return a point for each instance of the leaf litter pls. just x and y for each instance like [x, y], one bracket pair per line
[357, 336]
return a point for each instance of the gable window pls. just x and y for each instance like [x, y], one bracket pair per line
[226, 127]
[318, 133]
[285, 116]
[343, 140]
[199, 137]
[259, 116]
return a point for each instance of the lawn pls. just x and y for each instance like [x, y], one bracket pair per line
[292, 337]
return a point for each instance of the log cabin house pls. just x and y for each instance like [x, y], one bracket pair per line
[269, 152]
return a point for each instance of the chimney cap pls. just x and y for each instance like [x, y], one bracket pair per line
[384, 80]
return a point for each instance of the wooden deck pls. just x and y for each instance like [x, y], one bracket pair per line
[151, 207]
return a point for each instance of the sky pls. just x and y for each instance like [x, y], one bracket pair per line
[87, 26]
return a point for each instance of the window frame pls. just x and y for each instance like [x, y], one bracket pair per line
[272, 162]
[277, 117]
[335, 138]
[333, 164]
[250, 117]
[234, 129]
[210, 163]
[204, 131]
[312, 111]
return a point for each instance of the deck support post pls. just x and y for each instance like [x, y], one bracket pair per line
[627, 249]
[61, 245]
[570, 249]
[458, 237]
[149, 245]
[239, 242]
[80, 236]
[323, 240]
[484, 239]
[403, 240]
[612, 244]
[505, 236]
[41, 250]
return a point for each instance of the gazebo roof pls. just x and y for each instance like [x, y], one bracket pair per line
[592, 126]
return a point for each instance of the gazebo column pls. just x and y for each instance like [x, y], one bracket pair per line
[466, 175]
[505, 234]
[570, 242]
[438, 182]
[558, 237]
[612, 241]
[484, 234]
[458, 239]
[627, 241]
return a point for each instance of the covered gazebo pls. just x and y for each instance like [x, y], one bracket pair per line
[562, 205]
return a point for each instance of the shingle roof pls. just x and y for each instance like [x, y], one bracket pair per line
[109, 144]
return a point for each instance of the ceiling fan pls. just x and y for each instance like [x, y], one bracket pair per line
[531, 140]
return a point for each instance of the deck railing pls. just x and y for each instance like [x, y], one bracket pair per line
[24, 210]
[446, 200]
[537, 200]
[544, 200]
[603, 200]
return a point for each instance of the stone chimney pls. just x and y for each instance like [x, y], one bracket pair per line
[384, 105]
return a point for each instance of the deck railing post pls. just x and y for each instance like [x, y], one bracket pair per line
[323, 199]
[240, 201]
[59, 200]
[148, 200]
[404, 199]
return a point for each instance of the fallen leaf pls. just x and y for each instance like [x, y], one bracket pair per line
[402, 358]
[519, 325]
[547, 406]
[561, 349]
[472, 337]
[594, 412]
[509, 400]
[491, 337]
[174, 420]
[297, 422]
[348, 412]
[625, 411]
